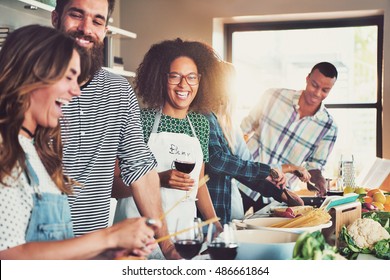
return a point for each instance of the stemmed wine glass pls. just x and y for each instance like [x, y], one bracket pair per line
[189, 242]
[222, 246]
[185, 163]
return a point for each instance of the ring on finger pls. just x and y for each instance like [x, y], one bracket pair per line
[150, 222]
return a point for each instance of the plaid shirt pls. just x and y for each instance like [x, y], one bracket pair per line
[223, 166]
[280, 136]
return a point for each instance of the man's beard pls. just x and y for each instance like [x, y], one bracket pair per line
[94, 56]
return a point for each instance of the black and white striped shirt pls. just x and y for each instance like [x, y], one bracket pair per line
[99, 126]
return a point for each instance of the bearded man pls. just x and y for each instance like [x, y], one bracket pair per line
[101, 130]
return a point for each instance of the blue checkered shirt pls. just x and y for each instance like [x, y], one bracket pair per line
[223, 166]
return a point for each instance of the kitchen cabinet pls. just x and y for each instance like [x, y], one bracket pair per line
[40, 13]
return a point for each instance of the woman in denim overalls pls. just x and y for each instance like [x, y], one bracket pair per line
[39, 71]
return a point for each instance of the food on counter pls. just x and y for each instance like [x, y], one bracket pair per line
[381, 217]
[312, 246]
[366, 232]
[372, 192]
[375, 200]
[291, 212]
[348, 190]
[382, 249]
[379, 197]
[360, 190]
[313, 217]
[367, 236]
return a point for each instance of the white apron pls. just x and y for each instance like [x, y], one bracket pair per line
[165, 147]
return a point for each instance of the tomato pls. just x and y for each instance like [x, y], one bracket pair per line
[367, 199]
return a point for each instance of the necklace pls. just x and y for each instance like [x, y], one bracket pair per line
[32, 135]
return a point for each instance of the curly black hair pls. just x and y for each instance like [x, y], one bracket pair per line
[151, 78]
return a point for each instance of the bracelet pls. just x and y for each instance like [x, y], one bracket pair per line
[274, 174]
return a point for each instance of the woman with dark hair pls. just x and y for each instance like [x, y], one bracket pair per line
[174, 82]
[39, 72]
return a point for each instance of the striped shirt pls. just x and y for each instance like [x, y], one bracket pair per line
[99, 126]
[280, 136]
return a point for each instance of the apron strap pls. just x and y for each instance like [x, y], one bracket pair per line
[157, 122]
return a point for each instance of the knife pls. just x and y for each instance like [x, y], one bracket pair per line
[310, 185]
[292, 200]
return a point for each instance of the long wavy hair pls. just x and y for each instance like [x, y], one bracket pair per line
[225, 82]
[151, 78]
[32, 57]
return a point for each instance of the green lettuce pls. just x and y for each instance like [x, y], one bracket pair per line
[312, 246]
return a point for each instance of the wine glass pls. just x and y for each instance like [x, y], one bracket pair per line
[222, 246]
[185, 162]
[189, 240]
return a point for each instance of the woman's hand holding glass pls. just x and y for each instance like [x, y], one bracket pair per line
[176, 180]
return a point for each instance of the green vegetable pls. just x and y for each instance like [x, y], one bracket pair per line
[348, 240]
[382, 249]
[312, 246]
[348, 247]
[350, 250]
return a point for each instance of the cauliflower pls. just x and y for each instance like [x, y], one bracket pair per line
[366, 232]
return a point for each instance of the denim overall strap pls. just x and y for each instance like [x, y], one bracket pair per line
[50, 217]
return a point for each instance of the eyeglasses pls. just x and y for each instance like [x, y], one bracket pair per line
[192, 79]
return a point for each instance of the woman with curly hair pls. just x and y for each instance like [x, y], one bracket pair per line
[39, 72]
[174, 82]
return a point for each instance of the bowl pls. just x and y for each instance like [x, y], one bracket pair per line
[265, 245]
[265, 223]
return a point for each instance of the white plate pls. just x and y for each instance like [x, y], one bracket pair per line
[265, 223]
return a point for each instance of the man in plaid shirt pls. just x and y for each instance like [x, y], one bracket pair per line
[293, 128]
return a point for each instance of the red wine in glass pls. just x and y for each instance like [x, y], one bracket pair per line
[183, 166]
[188, 248]
[222, 251]
[186, 165]
[189, 238]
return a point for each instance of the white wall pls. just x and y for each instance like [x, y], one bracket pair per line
[156, 20]
[16, 18]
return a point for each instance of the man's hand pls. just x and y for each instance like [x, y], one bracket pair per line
[277, 177]
[146, 193]
[318, 180]
[291, 198]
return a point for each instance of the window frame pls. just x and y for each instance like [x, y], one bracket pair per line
[230, 28]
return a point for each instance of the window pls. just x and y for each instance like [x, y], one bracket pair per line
[281, 54]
